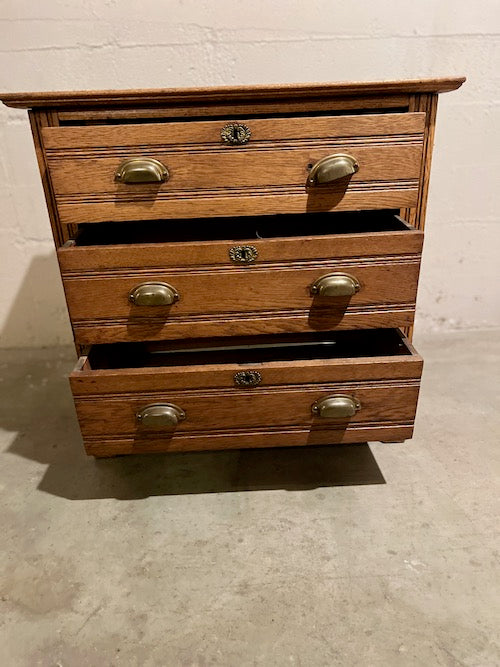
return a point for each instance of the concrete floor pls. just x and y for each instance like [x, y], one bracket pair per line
[354, 555]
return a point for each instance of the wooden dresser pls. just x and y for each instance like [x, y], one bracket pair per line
[240, 264]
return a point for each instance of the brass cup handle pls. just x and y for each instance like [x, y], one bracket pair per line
[336, 407]
[153, 294]
[141, 170]
[336, 284]
[332, 168]
[160, 416]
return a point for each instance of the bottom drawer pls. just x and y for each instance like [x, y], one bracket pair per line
[266, 391]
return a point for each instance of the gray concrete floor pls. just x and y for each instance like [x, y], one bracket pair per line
[355, 555]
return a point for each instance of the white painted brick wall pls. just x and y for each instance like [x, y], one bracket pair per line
[85, 44]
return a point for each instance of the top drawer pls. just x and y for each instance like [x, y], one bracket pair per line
[207, 174]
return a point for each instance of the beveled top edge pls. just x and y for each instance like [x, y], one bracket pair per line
[138, 97]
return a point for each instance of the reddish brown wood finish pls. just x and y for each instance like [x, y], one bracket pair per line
[227, 295]
[261, 322]
[225, 179]
[219, 298]
[235, 94]
[102, 447]
[220, 415]
[85, 260]
[389, 126]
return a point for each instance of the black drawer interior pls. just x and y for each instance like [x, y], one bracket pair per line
[246, 228]
[248, 350]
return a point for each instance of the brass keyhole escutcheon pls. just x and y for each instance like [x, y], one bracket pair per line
[243, 254]
[247, 378]
[235, 134]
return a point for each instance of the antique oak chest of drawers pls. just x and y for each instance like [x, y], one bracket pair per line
[240, 264]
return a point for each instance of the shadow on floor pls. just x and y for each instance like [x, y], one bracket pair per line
[214, 472]
[38, 311]
[37, 408]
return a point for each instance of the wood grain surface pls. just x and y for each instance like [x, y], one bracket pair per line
[103, 447]
[228, 294]
[426, 103]
[86, 115]
[236, 94]
[220, 415]
[81, 138]
[238, 290]
[241, 324]
[116, 139]
[80, 261]
[83, 162]
[88, 381]
[234, 409]
[76, 260]
[255, 201]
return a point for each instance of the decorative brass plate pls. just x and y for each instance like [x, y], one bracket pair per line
[243, 254]
[247, 378]
[235, 134]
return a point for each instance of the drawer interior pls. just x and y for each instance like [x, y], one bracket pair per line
[246, 228]
[251, 350]
[147, 115]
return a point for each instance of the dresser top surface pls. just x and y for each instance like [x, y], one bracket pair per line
[138, 97]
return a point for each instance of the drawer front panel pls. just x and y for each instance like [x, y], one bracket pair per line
[97, 258]
[242, 324]
[99, 304]
[247, 409]
[206, 177]
[208, 133]
[103, 446]
[217, 414]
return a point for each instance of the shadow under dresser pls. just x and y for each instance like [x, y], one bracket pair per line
[240, 264]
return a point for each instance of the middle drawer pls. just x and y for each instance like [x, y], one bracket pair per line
[165, 280]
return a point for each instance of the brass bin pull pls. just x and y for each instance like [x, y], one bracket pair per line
[332, 168]
[336, 284]
[160, 416]
[336, 407]
[153, 294]
[142, 170]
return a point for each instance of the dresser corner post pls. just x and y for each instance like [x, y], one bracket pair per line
[40, 118]
[427, 103]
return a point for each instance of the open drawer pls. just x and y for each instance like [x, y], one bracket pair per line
[266, 391]
[149, 171]
[233, 276]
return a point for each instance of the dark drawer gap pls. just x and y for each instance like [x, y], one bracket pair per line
[239, 228]
[251, 350]
[145, 116]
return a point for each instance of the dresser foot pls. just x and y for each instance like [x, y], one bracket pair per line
[100, 457]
